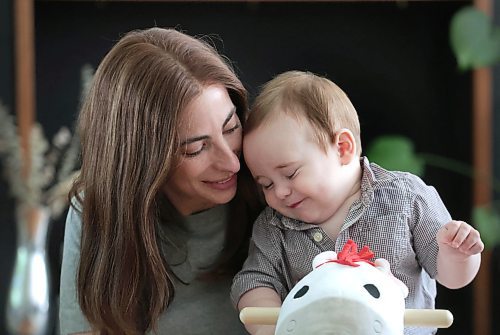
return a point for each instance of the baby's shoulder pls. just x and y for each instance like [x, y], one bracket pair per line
[404, 181]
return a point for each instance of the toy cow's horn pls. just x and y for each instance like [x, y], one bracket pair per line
[436, 318]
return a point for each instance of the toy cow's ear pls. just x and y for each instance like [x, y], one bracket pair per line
[323, 258]
[384, 266]
[403, 287]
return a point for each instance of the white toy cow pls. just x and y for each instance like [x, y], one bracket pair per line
[345, 294]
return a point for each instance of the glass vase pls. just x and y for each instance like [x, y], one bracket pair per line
[27, 310]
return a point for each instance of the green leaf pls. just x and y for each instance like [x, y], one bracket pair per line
[395, 153]
[474, 39]
[487, 221]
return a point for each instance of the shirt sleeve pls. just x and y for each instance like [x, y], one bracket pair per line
[429, 215]
[71, 318]
[264, 265]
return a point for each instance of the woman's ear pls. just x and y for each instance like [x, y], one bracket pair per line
[346, 146]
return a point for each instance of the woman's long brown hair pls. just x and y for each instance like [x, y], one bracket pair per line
[128, 133]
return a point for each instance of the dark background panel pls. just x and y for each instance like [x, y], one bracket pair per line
[393, 61]
[392, 58]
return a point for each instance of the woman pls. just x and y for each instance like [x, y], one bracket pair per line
[157, 228]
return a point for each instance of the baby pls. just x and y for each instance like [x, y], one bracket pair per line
[302, 145]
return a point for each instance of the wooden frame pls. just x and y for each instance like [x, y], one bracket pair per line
[482, 95]
[25, 99]
[25, 102]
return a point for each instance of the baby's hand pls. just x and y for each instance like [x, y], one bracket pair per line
[458, 237]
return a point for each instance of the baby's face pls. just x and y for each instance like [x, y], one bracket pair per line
[299, 179]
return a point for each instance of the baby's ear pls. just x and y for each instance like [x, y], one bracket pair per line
[346, 145]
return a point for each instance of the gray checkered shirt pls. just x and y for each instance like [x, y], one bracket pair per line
[397, 216]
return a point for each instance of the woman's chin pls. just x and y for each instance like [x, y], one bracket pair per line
[228, 196]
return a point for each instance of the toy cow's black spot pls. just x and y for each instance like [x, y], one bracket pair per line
[373, 290]
[300, 293]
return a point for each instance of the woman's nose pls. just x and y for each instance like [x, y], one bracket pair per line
[227, 159]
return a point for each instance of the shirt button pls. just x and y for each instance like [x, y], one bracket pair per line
[318, 237]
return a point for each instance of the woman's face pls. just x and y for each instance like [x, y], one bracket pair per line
[210, 135]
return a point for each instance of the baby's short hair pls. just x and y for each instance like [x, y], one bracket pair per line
[310, 98]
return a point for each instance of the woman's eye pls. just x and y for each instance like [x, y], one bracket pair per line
[194, 151]
[232, 129]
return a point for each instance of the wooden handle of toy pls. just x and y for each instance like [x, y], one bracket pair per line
[438, 318]
[259, 315]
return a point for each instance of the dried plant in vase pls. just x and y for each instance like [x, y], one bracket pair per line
[52, 166]
[40, 191]
[40, 195]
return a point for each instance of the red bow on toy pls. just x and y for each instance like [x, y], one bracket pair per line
[350, 255]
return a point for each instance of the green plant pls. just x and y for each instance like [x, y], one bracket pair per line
[474, 39]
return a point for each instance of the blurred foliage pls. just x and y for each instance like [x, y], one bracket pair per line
[487, 221]
[397, 153]
[383, 151]
[475, 40]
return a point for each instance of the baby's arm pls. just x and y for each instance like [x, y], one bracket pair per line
[260, 297]
[459, 254]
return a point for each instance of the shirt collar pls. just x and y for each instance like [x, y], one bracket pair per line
[368, 180]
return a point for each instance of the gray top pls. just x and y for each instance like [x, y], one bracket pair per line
[397, 216]
[190, 245]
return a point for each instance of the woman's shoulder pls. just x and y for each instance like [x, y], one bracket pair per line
[76, 202]
[74, 216]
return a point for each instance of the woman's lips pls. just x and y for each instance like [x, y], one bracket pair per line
[223, 184]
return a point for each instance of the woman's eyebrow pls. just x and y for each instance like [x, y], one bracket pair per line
[204, 137]
[194, 139]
